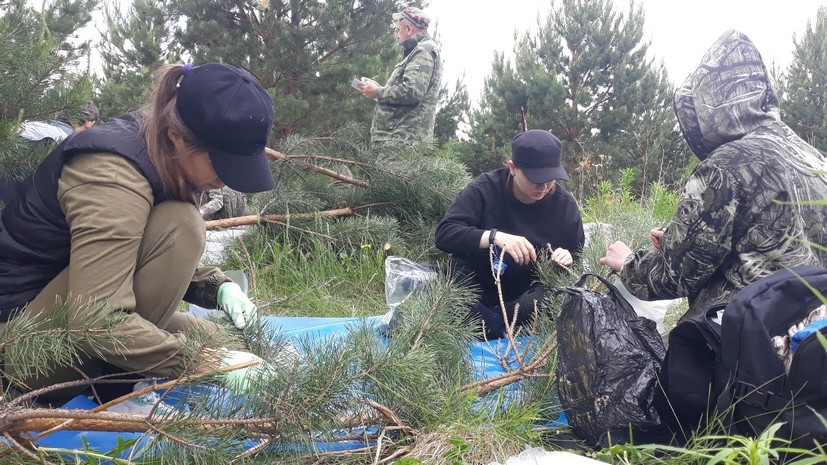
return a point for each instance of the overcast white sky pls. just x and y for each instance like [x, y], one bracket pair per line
[680, 32]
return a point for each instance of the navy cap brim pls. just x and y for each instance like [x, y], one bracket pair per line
[545, 174]
[247, 174]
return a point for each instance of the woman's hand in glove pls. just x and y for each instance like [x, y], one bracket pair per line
[239, 380]
[236, 304]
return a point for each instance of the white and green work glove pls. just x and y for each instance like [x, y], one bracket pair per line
[239, 380]
[238, 307]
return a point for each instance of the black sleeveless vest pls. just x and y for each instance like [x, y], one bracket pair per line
[34, 236]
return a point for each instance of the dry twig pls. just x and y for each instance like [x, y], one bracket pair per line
[257, 219]
[327, 172]
[524, 369]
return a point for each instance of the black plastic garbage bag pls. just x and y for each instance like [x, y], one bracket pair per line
[608, 359]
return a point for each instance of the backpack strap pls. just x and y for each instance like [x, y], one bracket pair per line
[754, 396]
[689, 378]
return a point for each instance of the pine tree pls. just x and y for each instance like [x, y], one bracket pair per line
[64, 19]
[305, 53]
[585, 76]
[805, 104]
[39, 54]
[651, 146]
[453, 112]
[136, 43]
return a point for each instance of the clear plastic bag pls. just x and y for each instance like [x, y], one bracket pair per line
[403, 278]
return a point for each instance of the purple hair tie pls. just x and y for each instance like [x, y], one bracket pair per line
[186, 68]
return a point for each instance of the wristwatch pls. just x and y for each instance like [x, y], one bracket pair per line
[491, 235]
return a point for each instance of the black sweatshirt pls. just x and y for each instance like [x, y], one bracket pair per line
[489, 203]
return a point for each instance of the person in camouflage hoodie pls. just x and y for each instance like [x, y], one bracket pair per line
[406, 105]
[744, 212]
[219, 204]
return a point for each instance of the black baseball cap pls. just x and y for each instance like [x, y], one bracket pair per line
[232, 115]
[537, 153]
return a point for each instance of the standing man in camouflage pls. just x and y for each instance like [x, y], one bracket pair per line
[747, 210]
[406, 105]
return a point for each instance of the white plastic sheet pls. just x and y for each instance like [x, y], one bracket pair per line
[654, 310]
[538, 456]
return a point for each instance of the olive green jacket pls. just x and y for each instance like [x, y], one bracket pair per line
[103, 260]
[406, 105]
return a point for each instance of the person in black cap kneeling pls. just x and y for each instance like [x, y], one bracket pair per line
[519, 209]
[109, 220]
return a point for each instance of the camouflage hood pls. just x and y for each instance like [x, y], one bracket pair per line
[726, 97]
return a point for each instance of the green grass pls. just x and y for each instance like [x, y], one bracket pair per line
[315, 280]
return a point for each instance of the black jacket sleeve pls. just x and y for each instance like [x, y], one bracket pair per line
[460, 229]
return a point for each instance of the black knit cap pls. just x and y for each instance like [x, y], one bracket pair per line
[537, 153]
[231, 114]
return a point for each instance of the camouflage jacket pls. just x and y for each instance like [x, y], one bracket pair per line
[406, 105]
[743, 212]
[219, 204]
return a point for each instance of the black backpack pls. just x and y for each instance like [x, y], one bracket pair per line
[607, 364]
[731, 372]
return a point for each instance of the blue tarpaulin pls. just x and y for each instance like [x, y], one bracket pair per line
[483, 354]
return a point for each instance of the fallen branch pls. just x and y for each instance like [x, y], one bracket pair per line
[37, 419]
[525, 369]
[47, 426]
[327, 172]
[485, 386]
[258, 219]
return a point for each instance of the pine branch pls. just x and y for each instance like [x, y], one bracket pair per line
[35, 416]
[524, 369]
[257, 219]
[327, 172]
[38, 419]
[509, 325]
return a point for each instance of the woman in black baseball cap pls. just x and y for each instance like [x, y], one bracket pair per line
[108, 221]
[521, 210]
